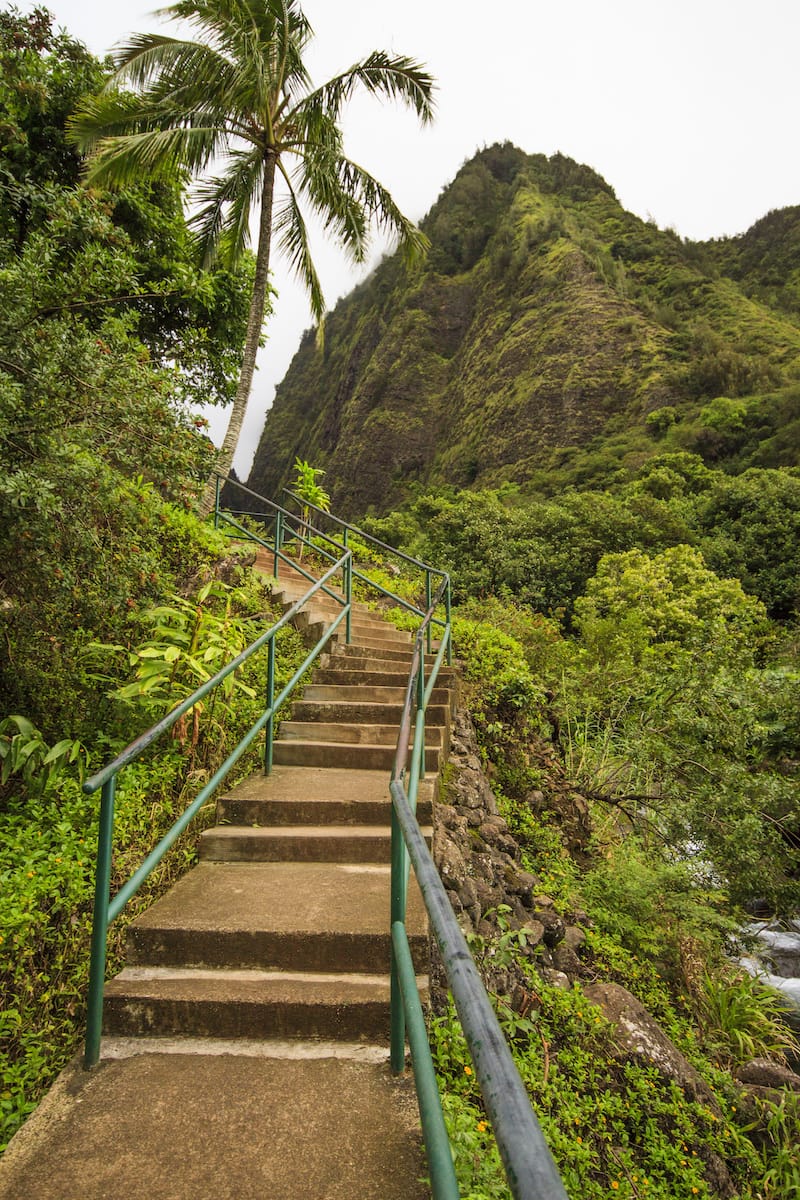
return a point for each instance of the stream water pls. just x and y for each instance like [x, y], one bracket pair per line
[776, 960]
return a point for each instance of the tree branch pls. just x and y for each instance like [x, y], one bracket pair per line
[49, 310]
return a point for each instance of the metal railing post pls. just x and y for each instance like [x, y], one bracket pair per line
[348, 593]
[421, 687]
[397, 1032]
[270, 730]
[444, 1184]
[427, 606]
[278, 542]
[102, 886]
[447, 606]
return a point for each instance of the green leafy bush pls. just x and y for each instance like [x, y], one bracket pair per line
[743, 1019]
[614, 1128]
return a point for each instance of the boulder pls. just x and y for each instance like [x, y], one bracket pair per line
[566, 960]
[554, 926]
[556, 979]
[765, 1073]
[637, 1035]
[452, 866]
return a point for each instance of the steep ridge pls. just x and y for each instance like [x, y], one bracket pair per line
[546, 318]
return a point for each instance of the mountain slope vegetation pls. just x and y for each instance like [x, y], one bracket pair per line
[551, 339]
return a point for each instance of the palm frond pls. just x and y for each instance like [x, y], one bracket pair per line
[374, 202]
[292, 239]
[145, 57]
[106, 115]
[395, 77]
[171, 75]
[159, 153]
[339, 208]
[223, 223]
[271, 32]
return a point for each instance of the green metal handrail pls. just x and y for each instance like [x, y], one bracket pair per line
[106, 908]
[283, 518]
[430, 572]
[530, 1170]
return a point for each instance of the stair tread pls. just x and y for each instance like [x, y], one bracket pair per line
[372, 677]
[290, 743]
[332, 833]
[275, 987]
[363, 711]
[356, 733]
[313, 783]
[310, 898]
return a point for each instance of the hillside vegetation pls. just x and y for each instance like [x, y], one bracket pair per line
[107, 330]
[553, 340]
[593, 425]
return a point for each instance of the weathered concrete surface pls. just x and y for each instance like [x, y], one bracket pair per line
[306, 916]
[225, 1127]
[179, 1002]
[315, 795]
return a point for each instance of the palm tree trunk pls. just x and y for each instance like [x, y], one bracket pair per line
[255, 323]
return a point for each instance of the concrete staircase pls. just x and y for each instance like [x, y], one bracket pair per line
[282, 929]
[245, 1045]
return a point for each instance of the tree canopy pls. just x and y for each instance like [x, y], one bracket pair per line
[240, 96]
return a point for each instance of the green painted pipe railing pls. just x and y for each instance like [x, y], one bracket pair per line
[530, 1170]
[430, 573]
[106, 908]
[282, 518]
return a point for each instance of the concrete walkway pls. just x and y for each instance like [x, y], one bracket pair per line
[245, 1042]
[221, 1126]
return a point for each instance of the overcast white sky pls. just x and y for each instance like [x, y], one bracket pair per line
[689, 108]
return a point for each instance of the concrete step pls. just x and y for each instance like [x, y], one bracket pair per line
[359, 623]
[295, 582]
[371, 647]
[387, 647]
[253, 1004]
[298, 753]
[344, 733]
[324, 607]
[285, 916]
[362, 663]
[315, 796]
[352, 673]
[364, 713]
[318, 693]
[298, 843]
[359, 630]
[388, 657]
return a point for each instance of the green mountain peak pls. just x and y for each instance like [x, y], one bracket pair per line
[550, 334]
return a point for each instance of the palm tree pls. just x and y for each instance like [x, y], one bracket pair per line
[240, 97]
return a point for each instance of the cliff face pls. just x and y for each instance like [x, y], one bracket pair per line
[545, 319]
